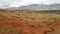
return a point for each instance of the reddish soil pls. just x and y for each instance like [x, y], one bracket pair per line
[12, 25]
[23, 28]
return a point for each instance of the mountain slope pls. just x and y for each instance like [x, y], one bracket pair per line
[38, 7]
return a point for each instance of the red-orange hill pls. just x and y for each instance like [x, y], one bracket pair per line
[13, 22]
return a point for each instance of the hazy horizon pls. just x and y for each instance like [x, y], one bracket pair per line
[18, 3]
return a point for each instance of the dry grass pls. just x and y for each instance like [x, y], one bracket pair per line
[28, 23]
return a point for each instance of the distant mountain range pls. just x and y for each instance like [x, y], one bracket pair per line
[37, 7]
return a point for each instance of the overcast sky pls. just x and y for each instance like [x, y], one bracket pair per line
[17, 3]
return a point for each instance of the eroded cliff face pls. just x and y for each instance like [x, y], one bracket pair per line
[26, 23]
